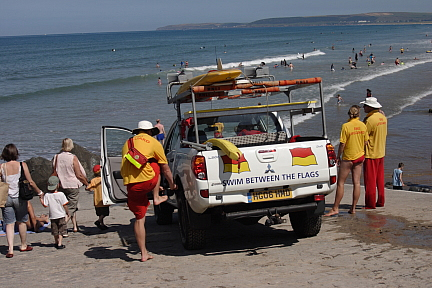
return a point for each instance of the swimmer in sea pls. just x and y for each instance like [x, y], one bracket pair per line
[159, 81]
[339, 99]
[332, 67]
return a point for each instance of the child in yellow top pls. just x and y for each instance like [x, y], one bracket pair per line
[101, 210]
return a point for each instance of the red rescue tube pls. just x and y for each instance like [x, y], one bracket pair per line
[281, 82]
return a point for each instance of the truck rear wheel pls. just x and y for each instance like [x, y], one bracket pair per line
[305, 225]
[163, 213]
[192, 239]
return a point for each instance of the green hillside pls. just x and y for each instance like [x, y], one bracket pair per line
[330, 20]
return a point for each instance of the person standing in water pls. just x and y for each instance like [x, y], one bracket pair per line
[397, 177]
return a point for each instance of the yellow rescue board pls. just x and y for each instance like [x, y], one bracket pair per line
[227, 147]
[210, 78]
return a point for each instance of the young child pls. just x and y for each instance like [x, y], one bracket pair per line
[397, 177]
[56, 201]
[101, 210]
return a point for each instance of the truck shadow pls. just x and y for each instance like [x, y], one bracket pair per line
[224, 238]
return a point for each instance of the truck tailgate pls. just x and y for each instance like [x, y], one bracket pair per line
[268, 167]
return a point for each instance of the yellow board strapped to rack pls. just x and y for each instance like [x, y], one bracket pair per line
[227, 147]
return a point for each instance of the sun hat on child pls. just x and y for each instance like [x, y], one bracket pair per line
[53, 182]
[371, 102]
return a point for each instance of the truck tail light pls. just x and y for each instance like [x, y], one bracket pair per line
[319, 197]
[199, 167]
[331, 155]
[204, 193]
[333, 179]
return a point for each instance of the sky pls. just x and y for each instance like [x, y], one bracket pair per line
[38, 17]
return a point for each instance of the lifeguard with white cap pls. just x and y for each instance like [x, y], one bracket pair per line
[376, 125]
[141, 179]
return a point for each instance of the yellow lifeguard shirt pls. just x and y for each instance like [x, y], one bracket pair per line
[150, 148]
[376, 125]
[353, 135]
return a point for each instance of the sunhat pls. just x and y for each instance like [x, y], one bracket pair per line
[96, 168]
[53, 181]
[371, 102]
[146, 125]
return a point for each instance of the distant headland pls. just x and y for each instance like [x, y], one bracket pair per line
[379, 18]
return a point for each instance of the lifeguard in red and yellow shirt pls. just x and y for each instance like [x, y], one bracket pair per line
[376, 124]
[140, 181]
[353, 138]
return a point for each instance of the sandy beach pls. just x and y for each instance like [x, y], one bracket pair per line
[386, 247]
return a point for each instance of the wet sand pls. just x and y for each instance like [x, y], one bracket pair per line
[386, 247]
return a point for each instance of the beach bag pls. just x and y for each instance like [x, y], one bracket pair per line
[25, 191]
[134, 156]
[54, 173]
[4, 191]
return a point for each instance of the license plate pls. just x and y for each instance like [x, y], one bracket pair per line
[270, 195]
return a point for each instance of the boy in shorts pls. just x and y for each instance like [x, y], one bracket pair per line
[101, 210]
[56, 201]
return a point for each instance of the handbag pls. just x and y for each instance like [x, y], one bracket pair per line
[54, 173]
[25, 191]
[134, 156]
[4, 191]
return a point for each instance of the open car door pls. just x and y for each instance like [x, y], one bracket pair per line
[112, 141]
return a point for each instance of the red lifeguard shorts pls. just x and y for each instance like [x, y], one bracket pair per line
[137, 193]
[358, 160]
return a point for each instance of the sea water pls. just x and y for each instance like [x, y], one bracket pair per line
[57, 86]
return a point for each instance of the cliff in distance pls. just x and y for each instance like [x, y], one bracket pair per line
[382, 18]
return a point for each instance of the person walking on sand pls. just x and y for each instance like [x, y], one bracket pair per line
[72, 176]
[376, 124]
[140, 181]
[161, 136]
[15, 209]
[397, 177]
[57, 203]
[102, 210]
[353, 138]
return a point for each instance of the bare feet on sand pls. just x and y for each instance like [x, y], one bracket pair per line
[332, 212]
[146, 257]
[351, 211]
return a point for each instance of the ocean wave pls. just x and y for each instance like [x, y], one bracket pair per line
[256, 62]
[83, 86]
[411, 101]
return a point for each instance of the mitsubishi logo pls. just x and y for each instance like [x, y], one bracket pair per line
[269, 169]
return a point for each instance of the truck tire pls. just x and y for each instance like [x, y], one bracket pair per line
[163, 213]
[192, 239]
[305, 225]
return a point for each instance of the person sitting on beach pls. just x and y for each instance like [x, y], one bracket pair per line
[102, 210]
[58, 210]
[353, 138]
[34, 222]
